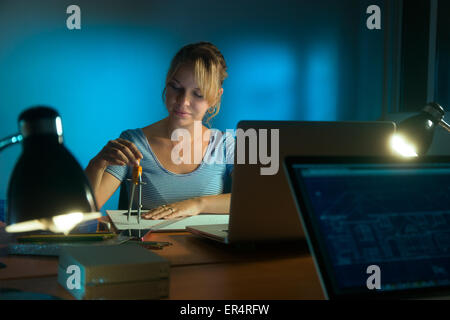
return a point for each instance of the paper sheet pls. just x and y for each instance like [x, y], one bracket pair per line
[119, 219]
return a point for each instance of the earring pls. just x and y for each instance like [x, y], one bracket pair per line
[212, 109]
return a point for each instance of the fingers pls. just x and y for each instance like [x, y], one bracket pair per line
[167, 215]
[132, 147]
[163, 212]
[154, 212]
[121, 152]
[174, 215]
[159, 213]
[115, 157]
[119, 148]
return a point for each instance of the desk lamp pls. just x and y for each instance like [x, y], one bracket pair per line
[415, 134]
[48, 189]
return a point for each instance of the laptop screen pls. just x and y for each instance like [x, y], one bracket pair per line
[379, 226]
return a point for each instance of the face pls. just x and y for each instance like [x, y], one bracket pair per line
[184, 100]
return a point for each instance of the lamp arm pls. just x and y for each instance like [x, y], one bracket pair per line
[10, 140]
[444, 125]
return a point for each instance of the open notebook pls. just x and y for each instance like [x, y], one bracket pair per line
[119, 219]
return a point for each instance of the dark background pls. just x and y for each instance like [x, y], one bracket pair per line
[287, 60]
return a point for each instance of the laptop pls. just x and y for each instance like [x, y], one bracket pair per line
[377, 227]
[262, 207]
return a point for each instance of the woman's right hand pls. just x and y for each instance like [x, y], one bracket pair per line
[119, 152]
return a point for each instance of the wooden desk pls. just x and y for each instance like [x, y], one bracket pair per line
[200, 269]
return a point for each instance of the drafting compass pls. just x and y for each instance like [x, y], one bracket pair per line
[136, 180]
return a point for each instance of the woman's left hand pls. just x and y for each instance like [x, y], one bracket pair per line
[185, 208]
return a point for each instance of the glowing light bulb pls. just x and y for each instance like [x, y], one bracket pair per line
[61, 223]
[65, 222]
[25, 226]
[402, 147]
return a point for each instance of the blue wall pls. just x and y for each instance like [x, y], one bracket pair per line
[288, 60]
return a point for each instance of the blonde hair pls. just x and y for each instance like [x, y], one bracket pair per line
[210, 70]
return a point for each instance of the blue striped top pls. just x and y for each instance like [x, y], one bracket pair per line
[211, 177]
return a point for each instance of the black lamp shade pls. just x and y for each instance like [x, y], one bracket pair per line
[418, 130]
[47, 180]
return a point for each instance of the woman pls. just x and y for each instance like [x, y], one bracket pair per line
[174, 188]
